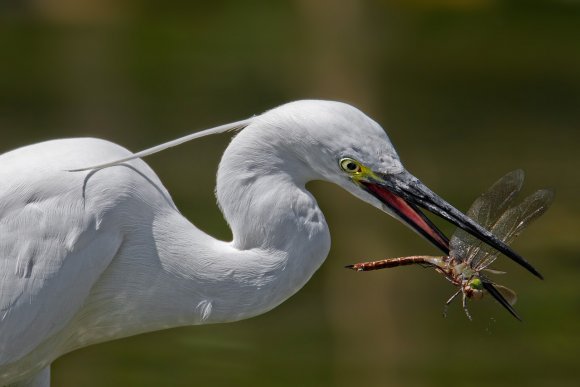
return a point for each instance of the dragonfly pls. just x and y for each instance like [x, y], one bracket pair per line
[467, 265]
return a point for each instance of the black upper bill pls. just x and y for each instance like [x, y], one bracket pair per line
[413, 191]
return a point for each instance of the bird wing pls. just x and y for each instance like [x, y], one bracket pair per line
[52, 251]
[47, 269]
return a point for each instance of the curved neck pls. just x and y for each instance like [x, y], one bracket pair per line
[177, 275]
[280, 236]
[259, 269]
[261, 192]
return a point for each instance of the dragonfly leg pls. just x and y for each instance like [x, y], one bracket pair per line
[453, 297]
[465, 307]
[449, 302]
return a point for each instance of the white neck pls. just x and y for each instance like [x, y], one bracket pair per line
[179, 275]
[259, 269]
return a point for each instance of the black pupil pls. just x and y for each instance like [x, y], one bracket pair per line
[351, 166]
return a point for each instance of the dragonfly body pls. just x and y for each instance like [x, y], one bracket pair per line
[402, 261]
[468, 258]
[457, 272]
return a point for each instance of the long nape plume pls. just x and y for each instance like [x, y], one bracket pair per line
[170, 144]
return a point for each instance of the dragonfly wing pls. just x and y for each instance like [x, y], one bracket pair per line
[508, 294]
[491, 271]
[513, 222]
[486, 210]
[529, 210]
[495, 293]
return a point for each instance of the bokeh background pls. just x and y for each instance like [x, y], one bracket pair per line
[467, 90]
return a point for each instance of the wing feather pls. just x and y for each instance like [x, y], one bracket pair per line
[51, 250]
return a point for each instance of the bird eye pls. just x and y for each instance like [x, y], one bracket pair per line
[350, 165]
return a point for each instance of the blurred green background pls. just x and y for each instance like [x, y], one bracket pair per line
[467, 90]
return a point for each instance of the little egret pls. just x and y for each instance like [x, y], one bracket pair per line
[93, 248]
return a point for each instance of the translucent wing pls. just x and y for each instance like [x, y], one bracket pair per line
[499, 293]
[508, 294]
[512, 223]
[486, 210]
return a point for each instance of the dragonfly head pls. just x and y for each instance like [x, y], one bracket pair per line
[473, 288]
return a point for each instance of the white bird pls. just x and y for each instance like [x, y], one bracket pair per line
[96, 255]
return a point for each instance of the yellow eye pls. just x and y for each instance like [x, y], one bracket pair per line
[350, 166]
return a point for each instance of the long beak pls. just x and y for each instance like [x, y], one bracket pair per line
[402, 193]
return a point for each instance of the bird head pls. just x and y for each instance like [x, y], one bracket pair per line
[338, 143]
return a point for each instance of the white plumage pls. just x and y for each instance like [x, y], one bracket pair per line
[91, 256]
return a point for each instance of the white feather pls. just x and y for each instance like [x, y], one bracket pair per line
[92, 256]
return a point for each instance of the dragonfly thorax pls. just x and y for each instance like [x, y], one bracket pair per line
[462, 270]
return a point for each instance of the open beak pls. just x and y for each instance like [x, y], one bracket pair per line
[402, 194]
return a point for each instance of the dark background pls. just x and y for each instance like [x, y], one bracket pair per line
[467, 90]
